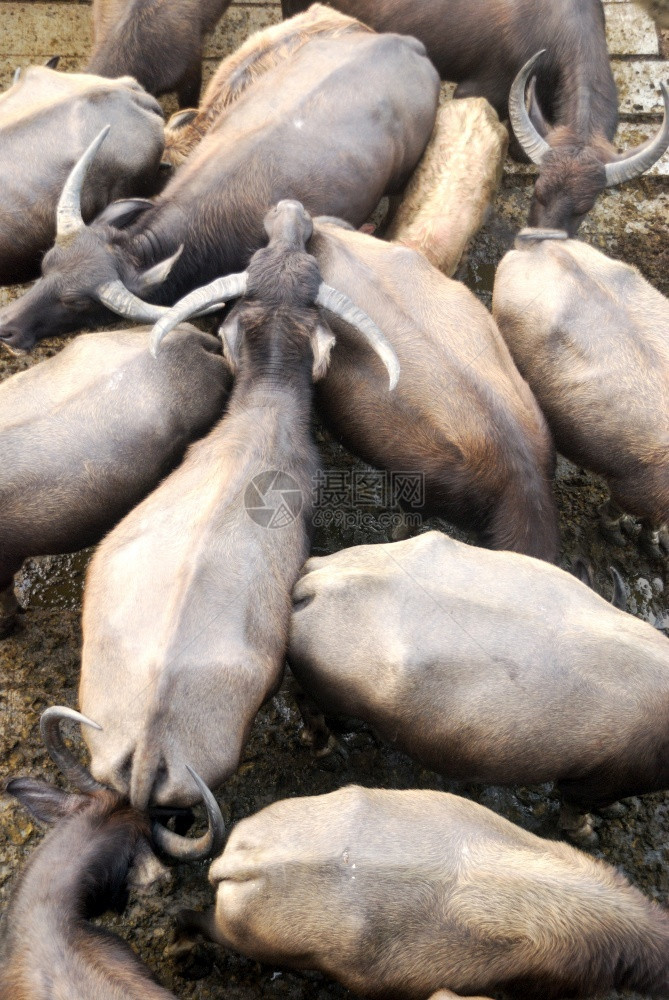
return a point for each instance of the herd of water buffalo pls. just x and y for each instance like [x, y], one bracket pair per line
[486, 664]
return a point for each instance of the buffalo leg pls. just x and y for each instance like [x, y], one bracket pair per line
[188, 91]
[611, 521]
[577, 824]
[8, 608]
[316, 732]
[654, 541]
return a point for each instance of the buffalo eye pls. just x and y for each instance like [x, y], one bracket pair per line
[71, 300]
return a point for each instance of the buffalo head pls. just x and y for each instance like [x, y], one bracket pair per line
[86, 276]
[573, 170]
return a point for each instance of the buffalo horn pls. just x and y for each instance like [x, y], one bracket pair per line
[115, 296]
[206, 299]
[635, 164]
[185, 848]
[68, 764]
[532, 142]
[68, 214]
[339, 304]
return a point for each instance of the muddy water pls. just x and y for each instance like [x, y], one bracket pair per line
[39, 665]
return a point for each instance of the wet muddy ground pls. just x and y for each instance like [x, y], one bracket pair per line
[39, 667]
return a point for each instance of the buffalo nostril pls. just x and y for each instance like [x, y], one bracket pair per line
[13, 340]
[12, 346]
[160, 779]
[125, 768]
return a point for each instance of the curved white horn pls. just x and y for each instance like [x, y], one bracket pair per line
[198, 303]
[339, 304]
[64, 759]
[185, 848]
[534, 144]
[638, 163]
[116, 297]
[68, 213]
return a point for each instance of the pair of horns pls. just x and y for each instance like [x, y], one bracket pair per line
[183, 848]
[211, 297]
[619, 171]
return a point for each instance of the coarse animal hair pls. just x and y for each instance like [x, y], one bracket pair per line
[261, 52]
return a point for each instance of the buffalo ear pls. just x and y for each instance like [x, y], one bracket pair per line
[123, 212]
[322, 342]
[52, 63]
[155, 275]
[182, 118]
[46, 802]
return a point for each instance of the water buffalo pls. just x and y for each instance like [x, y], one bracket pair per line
[47, 120]
[85, 435]
[417, 894]
[575, 105]
[488, 667]
[159, 42]
[99, 847]
[262, 51]
[338, 124]
[591, 337]
[462, 419]
[187, 601]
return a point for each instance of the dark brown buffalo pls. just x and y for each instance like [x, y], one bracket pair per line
[159, 42]
[462, 420]
[485, 46]
[343, 121]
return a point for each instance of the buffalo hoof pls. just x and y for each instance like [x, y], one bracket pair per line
[578, 826]
[333, 755]
[611, 533]
[652, 543]
[316, 733]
